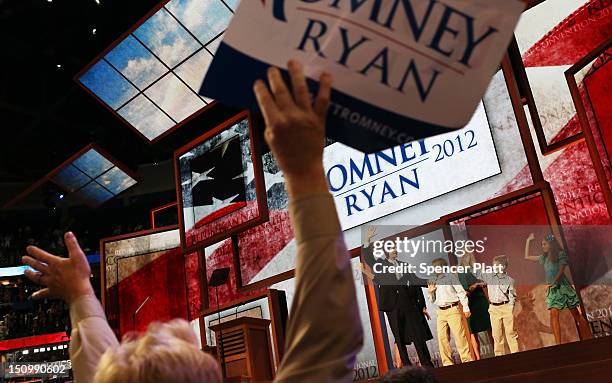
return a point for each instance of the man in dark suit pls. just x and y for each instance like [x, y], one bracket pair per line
[400, 296]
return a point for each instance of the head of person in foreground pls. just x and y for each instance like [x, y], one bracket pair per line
[167, 352]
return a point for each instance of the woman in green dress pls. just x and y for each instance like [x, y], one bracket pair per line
[560, 294]
[479, 321]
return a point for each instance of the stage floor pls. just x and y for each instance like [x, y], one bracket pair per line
[585, 362]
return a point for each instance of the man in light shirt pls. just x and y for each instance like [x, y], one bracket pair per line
[502, 296]
[446, 292]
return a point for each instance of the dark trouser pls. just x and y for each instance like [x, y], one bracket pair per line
[423, 353]
[397, 322]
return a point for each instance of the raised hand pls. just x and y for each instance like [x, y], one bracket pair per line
[366, 271]
[431, 288]
[63, 278]
[426, 313]
[531, 237]
[370, 234]
[295, 127]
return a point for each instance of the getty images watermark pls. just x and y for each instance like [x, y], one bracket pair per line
[419, 256]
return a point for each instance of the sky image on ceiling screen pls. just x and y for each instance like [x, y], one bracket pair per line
[152, 76]
[93, 178]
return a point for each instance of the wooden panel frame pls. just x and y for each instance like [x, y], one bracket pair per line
[156, 210]
[259, 181]
[48, 177]
[587, 129]
[546, 148]
[103, 261]
[245, 288]
[552, 214]
[114, 44]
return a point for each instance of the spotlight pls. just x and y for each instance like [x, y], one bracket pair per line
[93, 31]
[58, 66]
[61, 196]
[97, 2]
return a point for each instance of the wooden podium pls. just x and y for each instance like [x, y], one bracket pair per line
[245, 350]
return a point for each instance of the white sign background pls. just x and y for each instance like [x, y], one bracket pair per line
[473, 159]
[257, 34]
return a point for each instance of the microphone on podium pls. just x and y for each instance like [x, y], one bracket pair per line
[137, 311]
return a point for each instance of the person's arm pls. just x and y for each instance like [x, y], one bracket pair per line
[511, 292]
[461, 294]
[431, 290]
[68, 279]
[370, 233]
[324, 331]
[91, 336]
[367, 252]
[415, 280]
[527, 244]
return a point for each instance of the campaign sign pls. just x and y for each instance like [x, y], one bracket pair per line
[402, 69]
[368, 186]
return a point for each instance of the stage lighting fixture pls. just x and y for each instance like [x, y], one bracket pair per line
[91, 176]
[151, 77]
[93, 31]
[58, 66]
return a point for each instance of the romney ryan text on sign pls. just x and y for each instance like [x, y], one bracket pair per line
[405, 69]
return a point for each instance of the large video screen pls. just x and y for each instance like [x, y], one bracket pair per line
[93, 178]
[218, 182]
[144, 280]
[151, 77]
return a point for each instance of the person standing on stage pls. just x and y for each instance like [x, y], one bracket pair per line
[502, 296]
[560, 294]
[401, 298]
[446, 292]
[479, 321]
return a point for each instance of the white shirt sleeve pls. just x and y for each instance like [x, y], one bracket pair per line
[324, 331]
[461, 294]
[91, 336]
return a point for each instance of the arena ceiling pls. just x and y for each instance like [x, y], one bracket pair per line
[45, 116]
